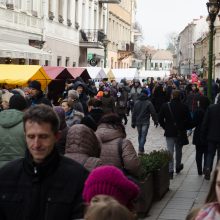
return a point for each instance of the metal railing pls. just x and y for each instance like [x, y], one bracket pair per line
[91, 35]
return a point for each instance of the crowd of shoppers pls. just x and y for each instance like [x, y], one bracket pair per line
[54, 159]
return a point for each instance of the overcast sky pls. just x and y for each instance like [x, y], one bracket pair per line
[158, 18]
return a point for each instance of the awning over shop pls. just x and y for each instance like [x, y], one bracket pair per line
[109, 74]
[59, 75]
[96, 72]
[79, 72]
[21, 75]
[57, 72]
[129, 74]
[14, 50]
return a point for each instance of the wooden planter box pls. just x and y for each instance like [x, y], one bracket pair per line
[145, 199]
[161, 182]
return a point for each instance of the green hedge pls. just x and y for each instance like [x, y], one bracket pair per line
[154, 161]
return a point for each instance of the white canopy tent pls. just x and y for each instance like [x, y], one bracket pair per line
[96, 73]
[144, 74]
[129, 74]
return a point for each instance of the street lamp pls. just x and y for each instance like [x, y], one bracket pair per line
[146, 56]
[213, 9]
[105, 44]
[150, 58]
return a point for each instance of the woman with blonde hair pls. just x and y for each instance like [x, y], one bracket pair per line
[108, 209]
[211, 209]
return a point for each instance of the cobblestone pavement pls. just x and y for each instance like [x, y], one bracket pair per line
[187, 189]
[155, 137]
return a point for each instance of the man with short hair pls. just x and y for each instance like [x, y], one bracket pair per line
[143, 109]
[43, 184]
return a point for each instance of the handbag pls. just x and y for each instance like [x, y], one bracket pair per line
[123, 169]
[182, 138]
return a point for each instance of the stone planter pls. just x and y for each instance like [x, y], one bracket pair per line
[161, 182]
[145, 199]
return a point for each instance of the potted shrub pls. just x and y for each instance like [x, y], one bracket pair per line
[145, 199]
[157, 163]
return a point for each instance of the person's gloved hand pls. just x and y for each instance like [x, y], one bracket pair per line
[133, 126]
[156, 124]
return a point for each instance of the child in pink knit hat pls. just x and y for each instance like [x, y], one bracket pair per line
[111, 181]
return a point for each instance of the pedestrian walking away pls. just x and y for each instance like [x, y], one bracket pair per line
[174, 118]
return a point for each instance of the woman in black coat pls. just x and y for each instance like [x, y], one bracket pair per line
[198, 141]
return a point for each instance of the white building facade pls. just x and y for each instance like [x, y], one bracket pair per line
[51, 32]
[21, 26]
[185, 44]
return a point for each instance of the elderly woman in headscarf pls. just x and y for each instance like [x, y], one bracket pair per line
[61, 143]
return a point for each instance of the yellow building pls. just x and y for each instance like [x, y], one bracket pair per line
[119, 34]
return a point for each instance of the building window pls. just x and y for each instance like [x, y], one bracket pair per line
[103, 22]
[68, 9]
[58, 61]
[83, 16]
[46, 62]
[160, 65]
[115, 65]
[95, 19]
[76, 10]
[112, 63]
[74, 64]
[60, 7]
[67, 61]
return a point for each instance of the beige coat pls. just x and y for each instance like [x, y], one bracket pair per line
[83, 146]
[111, 139]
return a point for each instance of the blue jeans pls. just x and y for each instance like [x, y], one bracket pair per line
[142, 134]
[171, 144]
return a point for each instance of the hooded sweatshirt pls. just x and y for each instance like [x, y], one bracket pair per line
[12, 139]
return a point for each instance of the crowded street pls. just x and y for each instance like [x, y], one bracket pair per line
[109, 110]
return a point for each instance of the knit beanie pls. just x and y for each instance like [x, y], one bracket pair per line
[35, 85]
[18, 102]
[145, 91]
[111, 181]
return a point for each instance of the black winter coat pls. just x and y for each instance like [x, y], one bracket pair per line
[39, 99]
[48, 191]
[181, 114]
[143, 109]
[197, 120]
[211, 124]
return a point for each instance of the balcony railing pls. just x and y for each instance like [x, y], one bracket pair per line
[91, 38]
[110, 1]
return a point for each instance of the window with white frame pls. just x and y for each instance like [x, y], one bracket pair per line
[68, 9]
[76, 11]
[60, 7]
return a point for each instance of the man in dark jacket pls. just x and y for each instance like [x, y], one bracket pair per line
[36, 94]
[143, 108]
[43, 184]
[211, 133]
[174, 123]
